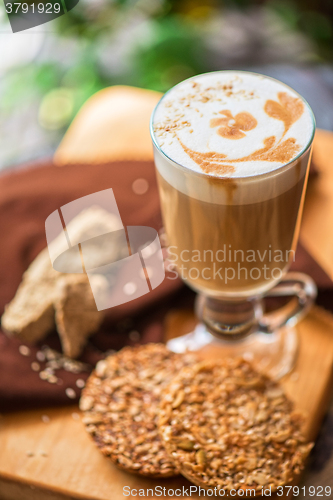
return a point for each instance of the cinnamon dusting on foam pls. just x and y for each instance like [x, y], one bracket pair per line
[213, 163]
[288, 110]
[209, 162]
[282, 152]
[230, 125]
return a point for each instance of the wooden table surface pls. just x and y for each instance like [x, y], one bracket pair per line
[64, 462]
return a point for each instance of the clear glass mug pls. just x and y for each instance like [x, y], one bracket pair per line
[232, 240]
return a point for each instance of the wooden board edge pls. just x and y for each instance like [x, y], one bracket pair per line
[13, 488]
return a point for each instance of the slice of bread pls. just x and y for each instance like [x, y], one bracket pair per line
[76, 314]
[47, 298]
[30, 315]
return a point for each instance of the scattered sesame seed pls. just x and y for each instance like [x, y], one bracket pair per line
[76, 416]
[54, 365]
[40, 356]
[70, 393]
[46, 419]
[80, 383]
[29, 454]
[35, 366]
[134, 336]
[24, 350]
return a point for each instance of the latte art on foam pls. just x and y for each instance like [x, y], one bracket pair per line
[233, 127]
[232, 124]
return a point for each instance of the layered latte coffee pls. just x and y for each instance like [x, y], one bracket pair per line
[232, 152]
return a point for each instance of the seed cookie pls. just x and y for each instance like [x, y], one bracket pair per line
[227, 426]
[120, 405]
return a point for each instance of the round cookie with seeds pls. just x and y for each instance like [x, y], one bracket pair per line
[227, 426]
[120, 405]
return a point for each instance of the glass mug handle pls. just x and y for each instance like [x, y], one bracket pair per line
[304, 290]
[238, 319]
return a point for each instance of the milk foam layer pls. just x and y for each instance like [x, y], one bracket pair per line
[232, 124]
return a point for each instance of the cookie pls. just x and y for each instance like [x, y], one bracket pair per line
[120, 405]
[227, 426]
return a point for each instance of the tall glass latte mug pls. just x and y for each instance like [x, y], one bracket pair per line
[232, 238]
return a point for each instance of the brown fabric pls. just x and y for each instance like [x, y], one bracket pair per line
[27, 197]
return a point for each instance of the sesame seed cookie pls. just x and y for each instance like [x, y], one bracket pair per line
[120, 405]
[229, 427]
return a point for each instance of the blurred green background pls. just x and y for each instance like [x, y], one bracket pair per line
[47, 73]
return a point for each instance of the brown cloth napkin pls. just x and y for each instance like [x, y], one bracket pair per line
[27, 197]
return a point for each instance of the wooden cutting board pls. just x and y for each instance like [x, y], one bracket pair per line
[56, 459]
